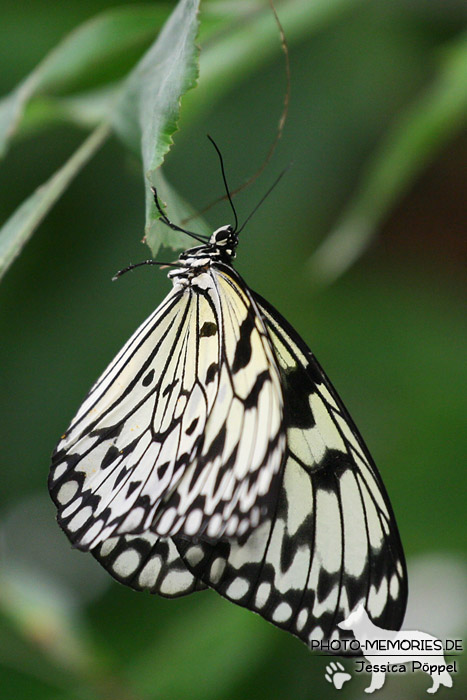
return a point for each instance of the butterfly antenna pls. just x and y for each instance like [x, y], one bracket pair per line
[165, 220]
[145, 262]
[265, 196]
[280, 126]
[225, 181]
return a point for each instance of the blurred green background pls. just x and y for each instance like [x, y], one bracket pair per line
[389, 331]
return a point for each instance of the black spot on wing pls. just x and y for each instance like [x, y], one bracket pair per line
[161, 469]
[121, 475]
[133, 485]
[298, 406]
[207, 329]
[332, 465]
[243, 349]
[141, 502]
[211, 373]
[108, 432]
[148, 378]
[252, 398]
[192, 426]
[110, 456]
[326, 582]
[217, 446]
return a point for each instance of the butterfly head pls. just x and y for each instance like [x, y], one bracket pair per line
[224, 240]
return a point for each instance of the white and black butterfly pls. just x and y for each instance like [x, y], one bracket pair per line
[214, 452]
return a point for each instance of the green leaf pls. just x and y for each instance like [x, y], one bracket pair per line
[151, 97]
[11, 110]
[15, 233]
[147, 114]
[86, 110]
[101, 49]
[93, 53]
[415, 139]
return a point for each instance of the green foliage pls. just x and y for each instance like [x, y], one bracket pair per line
[420, 131]
[22, 224]
[378, 93]
[143, 107]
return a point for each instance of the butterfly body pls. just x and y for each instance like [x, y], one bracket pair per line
[214, 452]
[221, 248]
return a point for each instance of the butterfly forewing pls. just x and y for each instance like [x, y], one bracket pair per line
[332, 541]
[183, 433]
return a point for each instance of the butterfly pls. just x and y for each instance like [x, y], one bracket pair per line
[214, 452]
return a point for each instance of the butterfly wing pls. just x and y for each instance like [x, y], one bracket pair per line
[147, 562]
[183, 433]
[332, 540]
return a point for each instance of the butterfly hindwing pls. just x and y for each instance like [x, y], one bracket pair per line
[147, 562]
[351, 500]
[332, 540]
[183, 433]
